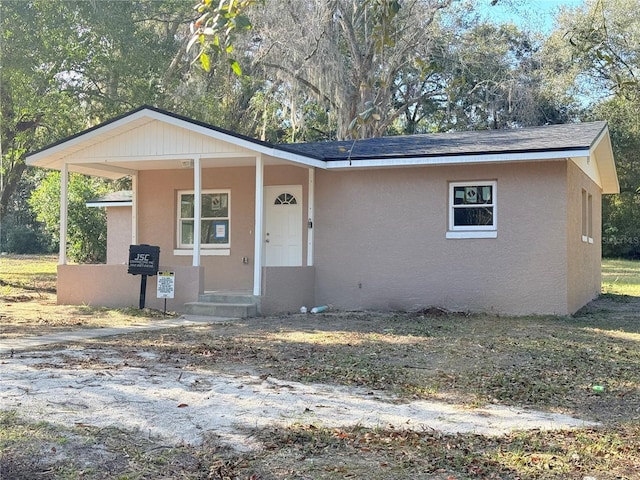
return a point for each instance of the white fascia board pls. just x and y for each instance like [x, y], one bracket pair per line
[109, 204]
[455, 159]
[53, 152]
[225, 252]
[52, 162]
[294, 157]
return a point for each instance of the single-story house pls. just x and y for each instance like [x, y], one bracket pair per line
[503, 221]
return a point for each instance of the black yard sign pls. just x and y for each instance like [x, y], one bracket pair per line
[143, 260]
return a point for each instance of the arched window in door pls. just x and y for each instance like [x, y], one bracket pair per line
[285, 199]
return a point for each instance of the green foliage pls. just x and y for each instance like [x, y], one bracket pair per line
[87, 230]
[604, 39]
[29, 97]
[621, 213]
[22, 238]
[594, 53]
[494, 77]
[215, 27]
[621, 226]
[310, 71]
[67, 66]
[20, 231]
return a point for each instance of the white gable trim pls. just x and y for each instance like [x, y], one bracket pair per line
[607, 172]
[86, 136]
[54, 156]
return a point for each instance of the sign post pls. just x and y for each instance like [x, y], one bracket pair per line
[143, 260]
[166, 286]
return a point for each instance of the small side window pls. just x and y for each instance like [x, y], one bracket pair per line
[587, 217]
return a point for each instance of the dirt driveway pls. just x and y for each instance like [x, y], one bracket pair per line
[175, 402]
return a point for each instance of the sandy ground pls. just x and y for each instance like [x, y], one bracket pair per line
[176, 403]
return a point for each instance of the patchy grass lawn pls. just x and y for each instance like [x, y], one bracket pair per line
[621, 277]
[28, 301]
[547, 363]
[21, 274]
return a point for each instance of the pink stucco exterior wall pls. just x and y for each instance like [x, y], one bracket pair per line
[157, 200]
[584, 260]
[380, 241]
[286, 289]
[112, 286]
[118, 235]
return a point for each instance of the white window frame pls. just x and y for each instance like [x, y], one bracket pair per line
[185, 248]
[590, 217]
[587, 217]
[473, 231]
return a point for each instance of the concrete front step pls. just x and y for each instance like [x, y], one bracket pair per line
[227, 297]
[235, 310]
[237, 304]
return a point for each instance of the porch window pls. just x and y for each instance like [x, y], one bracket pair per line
[214, 229]
[472, 210]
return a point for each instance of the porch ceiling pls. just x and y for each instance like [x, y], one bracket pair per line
[118, 168]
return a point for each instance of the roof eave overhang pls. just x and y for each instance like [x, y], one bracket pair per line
[457, 159]
[57, 155]
[601, 151]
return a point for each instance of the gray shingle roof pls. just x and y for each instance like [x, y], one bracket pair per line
[123, 196]
[567, 137]
[553, 142]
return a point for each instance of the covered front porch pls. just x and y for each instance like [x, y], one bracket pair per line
[228, 213]
[284, 289]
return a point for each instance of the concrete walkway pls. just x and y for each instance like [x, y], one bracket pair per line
[9, 345]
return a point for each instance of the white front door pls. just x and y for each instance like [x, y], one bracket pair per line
[283, 226]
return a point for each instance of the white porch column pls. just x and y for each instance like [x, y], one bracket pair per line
[258, 230]
[64, 218]
[310, 212]
[197, 210]
[134, 209]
